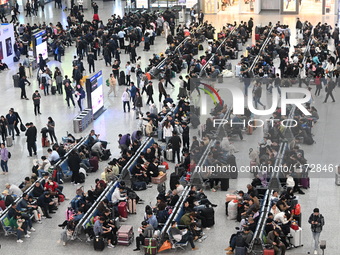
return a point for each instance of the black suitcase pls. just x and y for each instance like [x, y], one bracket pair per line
[98, 243]
[121, 78]
[208, 215]
[174, 178]
[16, 79]
[298, 219]
[220, 78]
[54, 90]
[224, 184]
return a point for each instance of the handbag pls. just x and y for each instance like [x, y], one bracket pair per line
[22, 127]
[42, 87]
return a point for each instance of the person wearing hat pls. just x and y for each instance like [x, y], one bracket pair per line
[273, 238]
[149, 92]
[145, 231]
[317, 221]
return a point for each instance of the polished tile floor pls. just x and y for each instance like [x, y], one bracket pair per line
[323, 193]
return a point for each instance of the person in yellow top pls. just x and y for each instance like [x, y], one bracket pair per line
[113, 84]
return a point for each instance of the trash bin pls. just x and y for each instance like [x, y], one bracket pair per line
[16, 79]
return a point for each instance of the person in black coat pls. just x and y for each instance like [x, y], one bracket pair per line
[149, 92]
[42, 62]
[69, 92]
[74, 163]
[17, 122]
[31, 134]
[176, 146]
[22, 84]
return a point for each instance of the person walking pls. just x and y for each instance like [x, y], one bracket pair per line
[126, 100]
[11, 121]
[50, 127]
[200, 17]
[80, 95]
[58, 80]
[168, 74]
[4, 158]
[69, 94]
[22, 84]
[133, 91]
[3, 128]
[139, 74]
[317, 222]
[45, 81]
[14, 15]
[257, 93]
[31, 134]
[16, 123]
[128, 73]
[36, 101]
[298, 27]
[287, 35]
[90, 61]
[28, 66]
[113, 85]
[138, 103]
[28, 8]
[149, 92]
[161, 89]
[22, 71]
[329, 89]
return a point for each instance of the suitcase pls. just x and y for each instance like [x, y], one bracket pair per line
[240, 250]
[239, 46]
[94, 163]
[138, 186]
[220, 78]
[257, 37]
[54, 90]
[296, 240]
[298, 219]
[98, 243]
[9, 141]
[159, 179]
[169, 154]
[16, 79]
[166, 165]
[150, 246]
[229, 66]
[132, 206]
[305, 182]
[250, 130]
[122, 78]
[232, 210]
[122, 209]
[268, 252]
[208, 217]
[174, 178]
[224, 184]
[125, 235]
[337, 179]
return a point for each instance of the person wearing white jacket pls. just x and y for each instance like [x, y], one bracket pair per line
[167, 131]
[126, 100]
[80, 5]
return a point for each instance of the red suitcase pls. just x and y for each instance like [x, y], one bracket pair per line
[125, 235]
[122, 209]
[268, 252]
[94, 163]
[150, 246]
[257, 37]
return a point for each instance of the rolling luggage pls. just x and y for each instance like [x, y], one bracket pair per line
[220, 78]
[174, 178]
[122, 209]
[94, 163]
[16, 79]
[132, 206]
[298, 219]
[53, 90]
[239, 46]
[268, 252]
[250, 130]
[305, 182]
[224, 184]
[232, 210]
[159, 179]
[168, 154]
[125, 235]
[98, 243]
[122, 78]
[153, 109]
[9, 141]
[138, 186]
[150, 246]
[208, 215]
[240, 250]
[229, 66]
[296, 240]
[337, 179]
[257, 37]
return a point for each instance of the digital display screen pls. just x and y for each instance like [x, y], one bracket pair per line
[41, 44]
[97, 94]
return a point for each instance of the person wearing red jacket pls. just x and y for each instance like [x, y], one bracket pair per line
[51, 186]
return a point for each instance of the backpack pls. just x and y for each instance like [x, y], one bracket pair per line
[308, 140]
[43, 79]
